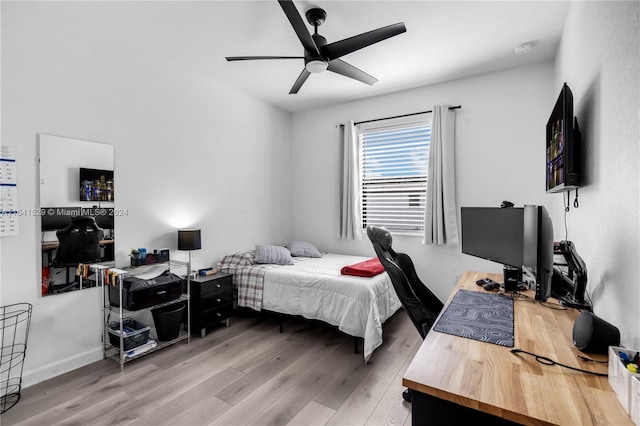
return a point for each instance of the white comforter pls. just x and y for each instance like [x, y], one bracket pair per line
[315, 289]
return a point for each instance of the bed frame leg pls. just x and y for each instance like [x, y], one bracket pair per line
[281, 326]
[355, 346]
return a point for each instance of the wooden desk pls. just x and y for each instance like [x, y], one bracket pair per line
[450, 372]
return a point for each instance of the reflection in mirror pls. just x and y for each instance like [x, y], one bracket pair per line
[77, 194]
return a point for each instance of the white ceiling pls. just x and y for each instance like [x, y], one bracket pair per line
[445, 40]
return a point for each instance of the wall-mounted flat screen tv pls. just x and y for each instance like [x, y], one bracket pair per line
[563, 145]
[96, 185]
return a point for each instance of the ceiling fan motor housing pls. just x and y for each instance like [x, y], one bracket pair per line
[312, 62]
[316, 63]
[320, 42]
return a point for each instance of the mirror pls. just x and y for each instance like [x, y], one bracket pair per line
[77, 198]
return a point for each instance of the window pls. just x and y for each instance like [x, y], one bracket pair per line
[394, 164]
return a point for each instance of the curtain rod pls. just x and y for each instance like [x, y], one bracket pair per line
[403, 115]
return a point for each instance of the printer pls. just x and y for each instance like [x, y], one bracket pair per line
[139, 293]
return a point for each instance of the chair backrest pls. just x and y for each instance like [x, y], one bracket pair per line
[79, 242]
[421, 304]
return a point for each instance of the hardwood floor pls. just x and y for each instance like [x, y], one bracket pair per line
[245, 374]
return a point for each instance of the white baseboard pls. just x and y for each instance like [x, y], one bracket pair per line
[60, 366]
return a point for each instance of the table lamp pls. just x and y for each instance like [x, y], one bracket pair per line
[189, 239]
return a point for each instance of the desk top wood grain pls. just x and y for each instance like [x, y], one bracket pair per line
[490, 378]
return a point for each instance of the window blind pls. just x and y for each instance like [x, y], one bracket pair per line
[394, 164]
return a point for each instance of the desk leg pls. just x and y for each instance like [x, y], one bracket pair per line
[427, 409]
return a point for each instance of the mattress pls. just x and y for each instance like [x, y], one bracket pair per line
[314, 288]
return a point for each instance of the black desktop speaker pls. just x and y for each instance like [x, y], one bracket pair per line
[593, 334]
[512, 276]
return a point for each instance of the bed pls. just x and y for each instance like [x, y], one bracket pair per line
[314, 288]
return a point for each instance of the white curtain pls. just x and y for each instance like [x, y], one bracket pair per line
[350, 218]
[441, 224]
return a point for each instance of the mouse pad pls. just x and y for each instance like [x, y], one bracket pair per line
[487, 317]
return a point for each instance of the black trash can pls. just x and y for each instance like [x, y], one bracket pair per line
[167, 320]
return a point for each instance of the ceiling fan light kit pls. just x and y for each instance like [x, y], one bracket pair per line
[320, 56]
[316, 66]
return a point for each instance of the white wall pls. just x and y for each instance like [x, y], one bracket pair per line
[500, 155]
[188, 152]
[599, 58]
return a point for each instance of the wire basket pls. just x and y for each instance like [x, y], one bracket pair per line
[14, 329]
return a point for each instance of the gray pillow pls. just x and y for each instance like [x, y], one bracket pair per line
[303, 249]
[273, 254]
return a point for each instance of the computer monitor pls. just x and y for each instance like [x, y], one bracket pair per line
[494, 234]
[538, 248]
[54, 218]
[514, 236]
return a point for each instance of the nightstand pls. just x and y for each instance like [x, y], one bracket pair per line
[211, 301]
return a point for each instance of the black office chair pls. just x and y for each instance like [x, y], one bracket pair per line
[422, 306]
[79, 242]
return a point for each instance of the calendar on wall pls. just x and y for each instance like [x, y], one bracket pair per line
[9, 192]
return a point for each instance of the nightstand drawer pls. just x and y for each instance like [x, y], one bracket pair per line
[220, 313]
[216, 300]
[216, 286]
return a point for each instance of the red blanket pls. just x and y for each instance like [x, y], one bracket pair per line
[367, 268]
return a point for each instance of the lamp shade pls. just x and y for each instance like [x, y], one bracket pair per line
[189, 239]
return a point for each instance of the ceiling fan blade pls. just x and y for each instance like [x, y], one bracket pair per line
[340, 48]
[251, 58]
[300, 81]
[299, 26]
[341, 67]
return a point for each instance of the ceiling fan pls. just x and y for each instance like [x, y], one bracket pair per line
[320, 56]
